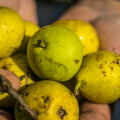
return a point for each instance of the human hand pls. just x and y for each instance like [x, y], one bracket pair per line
[104, 16]
[93, 111]
[27, 10]
[89, 10]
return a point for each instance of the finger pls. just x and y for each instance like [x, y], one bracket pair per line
[93, 111]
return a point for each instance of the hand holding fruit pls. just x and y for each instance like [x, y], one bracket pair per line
[96, 109]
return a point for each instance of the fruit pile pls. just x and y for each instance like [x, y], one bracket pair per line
[53, 67]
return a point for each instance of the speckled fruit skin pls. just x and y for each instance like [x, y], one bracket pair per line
[59, 58]
[47, 98]
[12, 29]
[86, 33]
[99, 77]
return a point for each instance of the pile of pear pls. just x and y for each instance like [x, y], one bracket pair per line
[52, 67]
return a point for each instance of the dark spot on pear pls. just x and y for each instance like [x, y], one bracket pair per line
[83, 84]
[117, 61]
[104, 73]
[101, 66]
[22, 77]
[62, 112]
[77, 61]
[99, 57]
[4, 67]
[111, 68]
[26, 94]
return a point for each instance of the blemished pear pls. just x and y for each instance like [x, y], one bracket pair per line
[55, 53]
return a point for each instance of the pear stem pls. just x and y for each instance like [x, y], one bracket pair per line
[41, 43]
[7, 87]
[76, 90]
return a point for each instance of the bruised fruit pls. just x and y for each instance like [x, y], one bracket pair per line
[55, 53]
[99, 77]
[50, 100]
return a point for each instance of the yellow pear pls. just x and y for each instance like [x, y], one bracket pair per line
[12, 30]
[50, 100]
[98, 79]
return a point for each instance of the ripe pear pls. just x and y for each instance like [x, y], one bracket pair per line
[86, 33]
[98, 79]
[18, 64]
[12, 30]
[50, 100]
[31, 28]
[55, 53]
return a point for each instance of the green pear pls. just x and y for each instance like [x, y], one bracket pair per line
[55, 53]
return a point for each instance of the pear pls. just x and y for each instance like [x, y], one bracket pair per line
[50, 100]
[12, 30]
[98, 79]
[55, 53]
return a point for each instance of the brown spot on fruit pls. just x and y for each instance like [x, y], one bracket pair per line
[99, 57]
[111, 68]
[46, 99]
[101, 66]
[4, 67]
[104, 73]
[83, 84]
[77, 61]
[22, 77]
[113, 62]
[117, 61]
[62, 112]
[26, 94]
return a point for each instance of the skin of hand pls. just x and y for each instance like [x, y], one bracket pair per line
[87, 10]
[94, 111]
[26, 8]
